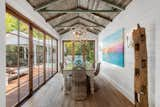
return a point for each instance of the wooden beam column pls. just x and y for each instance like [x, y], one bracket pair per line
[57, 54]
[31, 61]
[44, 60]
[52, 51]
[141, 72]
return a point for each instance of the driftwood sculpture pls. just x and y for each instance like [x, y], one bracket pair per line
[141, 90]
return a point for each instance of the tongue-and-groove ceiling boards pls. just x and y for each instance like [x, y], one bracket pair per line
[94, 15]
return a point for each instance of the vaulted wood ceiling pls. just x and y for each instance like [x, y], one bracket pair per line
[92, 14]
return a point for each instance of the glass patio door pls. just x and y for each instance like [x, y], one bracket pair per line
[78, 53]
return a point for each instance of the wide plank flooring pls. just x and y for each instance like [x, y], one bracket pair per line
[52, 95]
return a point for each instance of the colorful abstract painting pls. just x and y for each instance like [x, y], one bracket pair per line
[113, 48]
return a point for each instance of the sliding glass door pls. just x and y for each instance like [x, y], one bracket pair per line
[49, 58]
[38, 48]
[55, 56]
[31, 59]
[17, 69]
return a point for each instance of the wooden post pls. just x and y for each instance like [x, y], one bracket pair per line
[44, 60]
[141, 85]
[52, 54]
[57, 54]
[30, 60]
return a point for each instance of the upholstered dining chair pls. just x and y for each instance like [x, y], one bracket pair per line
[96, 72]
[61, 67]
[67, 79]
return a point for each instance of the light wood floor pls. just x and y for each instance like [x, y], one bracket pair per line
[51, 95]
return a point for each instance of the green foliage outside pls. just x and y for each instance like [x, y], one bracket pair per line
[12, 24]
[89, 49]
[68, 47]
[11, 50]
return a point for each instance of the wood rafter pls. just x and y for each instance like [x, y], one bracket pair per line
[82, 8]
[88, 20]
[79, 11]
[95, 31]
[113, 5]
[54, 17]
[69, 20]
[97, 14]
[66, 21]
[65, 31]
[44, 5]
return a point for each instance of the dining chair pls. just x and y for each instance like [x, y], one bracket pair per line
[96, 72]
[67, 79]
[61, 67]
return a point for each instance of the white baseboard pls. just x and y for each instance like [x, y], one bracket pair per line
[119, 88]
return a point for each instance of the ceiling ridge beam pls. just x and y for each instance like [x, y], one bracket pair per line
[44, 5]
[113, 5]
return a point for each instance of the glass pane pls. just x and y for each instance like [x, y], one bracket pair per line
[36, 59]
[68, 46]
[23, 60]
[11, 60]
[48, 57]
[38, 71]
[78, 58]
[54, 56]
[90, 53]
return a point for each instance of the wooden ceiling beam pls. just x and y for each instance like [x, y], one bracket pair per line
[44, 5]
[79, 11]
[63, 14]
[54, 17]
[113, 5]
[66, 21]
[102, 16]
[92, 31]
[97, 14]
[69, 20]
[65, 31]
[88, 29]
[88, 20]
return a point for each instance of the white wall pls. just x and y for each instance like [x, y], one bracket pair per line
[146, 13]
[89, 36]
[157, 64]
[2, 54]
[26, 9]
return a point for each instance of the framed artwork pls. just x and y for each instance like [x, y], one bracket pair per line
[113, 48]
